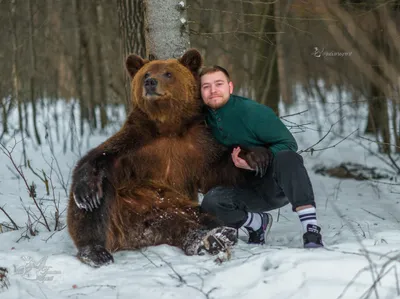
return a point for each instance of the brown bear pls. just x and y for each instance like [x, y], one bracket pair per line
[139, 188]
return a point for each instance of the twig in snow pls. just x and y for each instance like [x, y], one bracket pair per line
[183, 281]
[373, 214]
[141, 251]
[371, 265]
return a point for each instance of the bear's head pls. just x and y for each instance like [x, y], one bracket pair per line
[166, 90]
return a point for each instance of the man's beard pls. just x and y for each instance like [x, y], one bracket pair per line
[217, 102]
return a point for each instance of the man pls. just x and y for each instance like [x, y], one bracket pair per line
[237, 120]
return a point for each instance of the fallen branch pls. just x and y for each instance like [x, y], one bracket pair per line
[373, 214]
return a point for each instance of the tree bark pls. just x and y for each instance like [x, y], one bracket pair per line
[131, 25]
[85, 63]
[78, 57]
[15, 76]
[98, 18]
[378, 115]
[33, 72]
[268, 92]
[166, 29]
[280, 56]
[131, 22]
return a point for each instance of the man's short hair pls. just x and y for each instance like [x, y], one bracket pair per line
[212, 69]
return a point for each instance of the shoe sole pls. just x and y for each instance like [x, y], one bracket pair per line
[313, 245]
[269, 225]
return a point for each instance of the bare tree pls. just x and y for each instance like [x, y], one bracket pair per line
[33, 71]
[15, 74]
[101, 76]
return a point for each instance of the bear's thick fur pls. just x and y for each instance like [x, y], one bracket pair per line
[139, 188]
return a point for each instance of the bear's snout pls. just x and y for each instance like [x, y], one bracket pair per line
[150, 85]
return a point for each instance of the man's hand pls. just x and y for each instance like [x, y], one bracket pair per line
[255, 158]
[239, 162]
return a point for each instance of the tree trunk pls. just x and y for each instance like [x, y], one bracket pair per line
[102, 100]
[378, 116]
[131, 24]
[33, 72]
[88, 63]
[280, 56]
[79, 67]
[15, 76]
[268, 92]
[395, 108]
[166, 29]
[4, 114]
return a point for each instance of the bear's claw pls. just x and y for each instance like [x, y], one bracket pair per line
[95, 256]
[218, 240]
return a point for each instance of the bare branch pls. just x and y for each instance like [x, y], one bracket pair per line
[29, 189]
[16, 227]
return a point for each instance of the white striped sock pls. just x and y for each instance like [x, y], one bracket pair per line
[307, 216]
[253, 221]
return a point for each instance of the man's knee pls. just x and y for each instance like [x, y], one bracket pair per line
[288, 158]
[211, 197]
[288, 155]
[215, 197]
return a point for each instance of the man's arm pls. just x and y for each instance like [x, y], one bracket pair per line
[269, 129]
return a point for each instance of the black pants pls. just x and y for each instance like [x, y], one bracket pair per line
[286, 181]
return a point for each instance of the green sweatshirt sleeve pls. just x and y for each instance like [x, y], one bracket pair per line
[269, 129]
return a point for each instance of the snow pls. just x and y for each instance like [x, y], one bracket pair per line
[359, 220]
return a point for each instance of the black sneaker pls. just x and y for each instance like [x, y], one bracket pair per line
[312, 238]
[259, 236]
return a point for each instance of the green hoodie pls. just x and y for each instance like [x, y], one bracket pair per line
[242, 121]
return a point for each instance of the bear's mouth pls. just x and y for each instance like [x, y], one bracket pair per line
[151, 95]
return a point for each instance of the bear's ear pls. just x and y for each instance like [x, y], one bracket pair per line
[192, 60]
[133, 64]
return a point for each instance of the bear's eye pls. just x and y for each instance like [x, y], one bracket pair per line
[146, 75]
[168, 74]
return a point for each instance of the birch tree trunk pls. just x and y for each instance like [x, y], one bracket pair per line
[166, 28]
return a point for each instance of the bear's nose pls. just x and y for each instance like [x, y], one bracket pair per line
[150, 84]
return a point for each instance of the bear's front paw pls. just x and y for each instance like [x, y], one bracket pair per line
[218, 240]
[258, 158]
[87, 187]
[95, 256]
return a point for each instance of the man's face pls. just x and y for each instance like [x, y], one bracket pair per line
[215, 89]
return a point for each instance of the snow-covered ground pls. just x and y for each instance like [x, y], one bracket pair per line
[359, 220]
